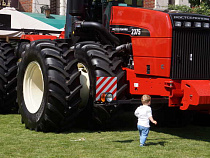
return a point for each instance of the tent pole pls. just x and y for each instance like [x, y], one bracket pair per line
[7, 39]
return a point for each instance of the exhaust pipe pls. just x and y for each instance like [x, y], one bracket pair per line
[76, 7]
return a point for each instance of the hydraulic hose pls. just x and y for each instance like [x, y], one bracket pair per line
[99, 27]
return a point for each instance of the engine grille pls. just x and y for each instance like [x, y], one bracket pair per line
[190, 54]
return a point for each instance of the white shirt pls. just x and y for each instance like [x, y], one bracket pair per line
[143, 113]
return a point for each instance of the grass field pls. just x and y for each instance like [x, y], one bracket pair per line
[16, 141]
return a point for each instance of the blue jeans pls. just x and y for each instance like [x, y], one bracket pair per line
[143, 133]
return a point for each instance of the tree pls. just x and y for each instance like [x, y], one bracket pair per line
[194, 2]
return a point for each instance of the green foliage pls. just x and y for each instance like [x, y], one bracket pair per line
[182, 8]
[198, 2]
[194, 2]
[207, 2]
[203, 8]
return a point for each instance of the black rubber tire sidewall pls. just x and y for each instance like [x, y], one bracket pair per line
[31, 120]
[83, 58]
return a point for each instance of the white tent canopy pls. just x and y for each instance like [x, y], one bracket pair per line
[21, 21]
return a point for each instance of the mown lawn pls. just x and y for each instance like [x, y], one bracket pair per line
[16, 141]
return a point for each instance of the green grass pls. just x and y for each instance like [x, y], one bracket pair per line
[16, 141]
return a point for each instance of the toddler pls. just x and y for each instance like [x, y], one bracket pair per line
[144, 114]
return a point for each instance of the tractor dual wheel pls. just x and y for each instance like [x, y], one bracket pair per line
[96, 60]
[21, 48]
[8, 80]
[45, 88]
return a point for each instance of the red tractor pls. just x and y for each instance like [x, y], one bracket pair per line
[110, 54]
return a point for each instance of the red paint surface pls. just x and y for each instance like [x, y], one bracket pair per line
[37, 37]
[158, 23]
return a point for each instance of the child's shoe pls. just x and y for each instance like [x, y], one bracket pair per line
[141, 145]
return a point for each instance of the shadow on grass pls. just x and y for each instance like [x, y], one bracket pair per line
[199, 129]
[123, 141]
[127, 122]
[189, 132]
[157, 143]
[162, 143]
[121, 122]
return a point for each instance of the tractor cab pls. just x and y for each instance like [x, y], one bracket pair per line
[107, 6]
[94, 11]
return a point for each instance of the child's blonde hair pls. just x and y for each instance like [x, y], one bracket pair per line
[145, 99]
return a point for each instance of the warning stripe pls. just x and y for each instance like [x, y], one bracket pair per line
[100, 86]
[106, 84]
[99, 79]
[107, 88]
[114, 92]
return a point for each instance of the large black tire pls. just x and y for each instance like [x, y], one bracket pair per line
[8, 80]
[100, 61]
[44, 59]
[73, 98]
[20, 49]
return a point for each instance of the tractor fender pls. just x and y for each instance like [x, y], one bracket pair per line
[37, 37]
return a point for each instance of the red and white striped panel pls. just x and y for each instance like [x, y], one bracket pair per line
[106, 84]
